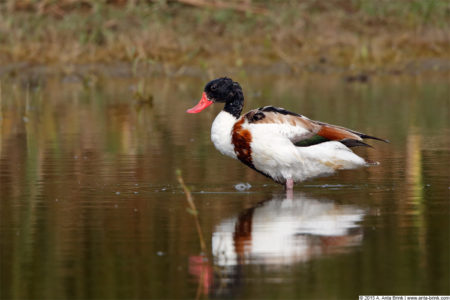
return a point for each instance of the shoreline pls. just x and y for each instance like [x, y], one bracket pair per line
[79, 72]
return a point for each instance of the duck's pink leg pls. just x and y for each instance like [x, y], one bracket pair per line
[289, 188]
[289, 184]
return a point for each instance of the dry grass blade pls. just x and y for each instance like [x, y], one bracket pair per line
[192, 210]
[240, 7]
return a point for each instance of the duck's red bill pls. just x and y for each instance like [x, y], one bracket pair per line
[202, 104]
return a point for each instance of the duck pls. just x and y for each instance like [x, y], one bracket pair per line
[284, 146]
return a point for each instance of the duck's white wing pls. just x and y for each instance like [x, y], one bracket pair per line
[301, 130]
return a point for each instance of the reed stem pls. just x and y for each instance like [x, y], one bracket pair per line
[192, 210]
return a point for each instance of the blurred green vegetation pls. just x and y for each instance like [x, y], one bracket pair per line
[210, 35]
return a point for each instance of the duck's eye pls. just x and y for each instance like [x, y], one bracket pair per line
[213, 87]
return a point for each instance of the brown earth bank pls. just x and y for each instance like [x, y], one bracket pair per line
[196, 37]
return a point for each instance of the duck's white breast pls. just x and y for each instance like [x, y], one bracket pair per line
[221, 133]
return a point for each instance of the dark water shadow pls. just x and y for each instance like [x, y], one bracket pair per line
[273, 235]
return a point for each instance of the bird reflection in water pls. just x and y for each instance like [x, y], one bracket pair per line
[284, 230]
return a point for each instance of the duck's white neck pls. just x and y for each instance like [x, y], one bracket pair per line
[221, 133]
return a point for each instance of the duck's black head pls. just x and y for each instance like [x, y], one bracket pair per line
[222, 90]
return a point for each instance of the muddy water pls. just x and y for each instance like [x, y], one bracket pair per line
[91, 208]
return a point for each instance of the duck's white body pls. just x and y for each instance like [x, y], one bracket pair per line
[274, 154]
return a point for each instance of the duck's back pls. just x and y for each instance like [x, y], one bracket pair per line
[265, 139]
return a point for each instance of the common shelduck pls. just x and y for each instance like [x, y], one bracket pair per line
[279, 144]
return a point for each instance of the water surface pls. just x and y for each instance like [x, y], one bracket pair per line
[91, 208]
